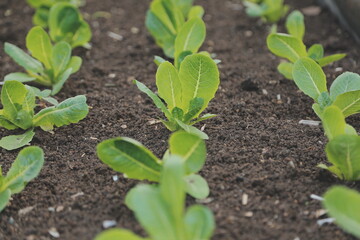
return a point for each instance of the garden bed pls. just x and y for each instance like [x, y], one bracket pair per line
[257, 146]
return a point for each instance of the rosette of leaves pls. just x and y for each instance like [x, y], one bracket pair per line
[186, 92]
[161, 209]
[344, 91]
[135, 161]
[19, 105]
[42, 9]
[25, 168]
[49, 65]
[291, 47]
[268, 10]
[172, 21]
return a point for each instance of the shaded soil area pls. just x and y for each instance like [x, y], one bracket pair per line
[257, 146]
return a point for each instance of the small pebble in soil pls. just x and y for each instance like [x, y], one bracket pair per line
[109, 223]
[123, 126]
[112, 75]
[115, 36]
[51, 209]
[245, 199]
[115, 178]
[26, 210]
[11, 220]
[54, 233]
[249, 214]
[339, 69]
[309, 122]
[248, 33]
[204, 201]
[135, 30]
[59, 208]
[77, 195]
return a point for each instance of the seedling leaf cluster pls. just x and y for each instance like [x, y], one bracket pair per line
[268, 10]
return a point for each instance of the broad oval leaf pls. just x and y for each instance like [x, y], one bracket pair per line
[72, 110]
[13, 95]
[343, 204]
[295, 24]
[130, 157]
[330, 59]
[196, 11]
[75, 64]
[333, 121]
[286, 46]
[118, 234]
[20, 77]
[168, 84]
[39, 44]
[191, 148]
[344, 152]
[199, 223]
[309, 77]
[349, 103]
[197, 186]
[4, 198]
[199, 77]
[16, 141]
[346, 82]
[286, 69]
[316, 52]
[60, 58]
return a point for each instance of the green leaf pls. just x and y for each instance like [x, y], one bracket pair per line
[191, 37]
[349, 103]
[20, 77]
[61, 81]
[295, 24]
[286, 69]
[286, 46]
[184, 5]
[157, 101]
[4, 198]
[157, 7]
[118, 234]
[309, 77]
[343, 205]
[72, 110]
[26, 167]
[199, 223]
[13, 95]
[197, 186]
[199, 77]
[74, 64]
[316, 52]
[344, 152]
[196, 105]
[16, 141]
[253, 9]
[168, 84]
[330, 59]
[196, 12]
[39, 44]
[346, 82]
[191, 147]
[129, 157]
[159, 60]
[177, 113]
[333, 122]
[41, 17]
[204, 117]
[23, 59]
[192, 130]
[60, 58]
[82, 36]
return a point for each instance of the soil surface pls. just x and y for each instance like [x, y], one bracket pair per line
[257, 146]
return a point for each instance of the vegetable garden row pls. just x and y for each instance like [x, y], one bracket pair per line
[185, 84]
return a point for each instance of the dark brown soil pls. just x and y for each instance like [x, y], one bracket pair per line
[253, 142]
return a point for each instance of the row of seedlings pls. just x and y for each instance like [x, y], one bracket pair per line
[184, 88]
[50, 63]
[332, 106]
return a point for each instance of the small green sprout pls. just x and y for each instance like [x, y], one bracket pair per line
[25, 168]
[41, 16]
[344, 91]
[268, 10]
[135, 161]
[291, 47]
[342, 204]
[19, 103]
[49, 65]
[161, 209]
[187, 92]
[176, 26]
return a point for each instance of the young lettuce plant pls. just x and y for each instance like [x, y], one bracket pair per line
[344, 91]
[343, 148]
[187, 91]
[176, 26]
[291, 47]
[135, 161]
[268, 10]
[342, 204]
[25, 168]
[41, 16]
[161, 209]
[67, 24]
[49, 65]
[19, 103]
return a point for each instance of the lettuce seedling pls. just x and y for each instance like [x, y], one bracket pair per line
[25, 168]
[19, 103]
[49, 65]
[343, 149]
[342, 204]
[161, 209]
[41, 16]
[344, 91]
[135, 161]
[67, 24]
[176, 26]
[268, 10]
[186, 92]
[291, 47]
